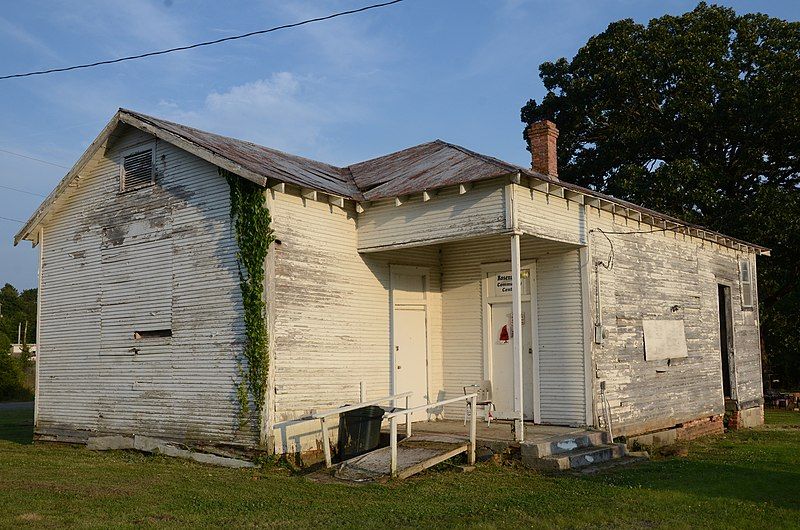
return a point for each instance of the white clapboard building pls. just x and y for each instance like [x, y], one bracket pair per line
[405, 273]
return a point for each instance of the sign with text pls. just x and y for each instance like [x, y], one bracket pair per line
[500, 284]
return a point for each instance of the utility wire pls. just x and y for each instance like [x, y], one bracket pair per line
[10, 219]
[22, 191]
[32, 158]
[206, 43]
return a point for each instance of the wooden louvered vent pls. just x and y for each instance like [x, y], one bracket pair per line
[137, 169]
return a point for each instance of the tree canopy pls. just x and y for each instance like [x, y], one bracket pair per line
[16, 308]
[698, 116]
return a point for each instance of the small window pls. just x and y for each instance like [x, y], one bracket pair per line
[137, 168]
[152, 334]
[746, 283]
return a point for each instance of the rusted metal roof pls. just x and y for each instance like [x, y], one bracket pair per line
[424, 167]
[267, 162]
[420, 168]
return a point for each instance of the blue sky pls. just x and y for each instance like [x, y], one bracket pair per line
[339, 91]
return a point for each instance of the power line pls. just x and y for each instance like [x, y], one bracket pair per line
[22, 191]
[206, 43]
[32, 158]
[12, 220]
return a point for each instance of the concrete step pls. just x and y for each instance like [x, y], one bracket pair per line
[534, 450]
[579, 457]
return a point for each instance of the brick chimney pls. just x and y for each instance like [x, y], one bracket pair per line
[542, 139]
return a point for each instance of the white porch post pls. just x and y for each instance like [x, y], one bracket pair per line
[516, 338]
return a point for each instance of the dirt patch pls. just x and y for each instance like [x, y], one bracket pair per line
[30, 517]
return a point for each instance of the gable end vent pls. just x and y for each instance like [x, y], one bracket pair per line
[137, 169]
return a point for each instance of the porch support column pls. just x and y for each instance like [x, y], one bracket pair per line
[516, 337]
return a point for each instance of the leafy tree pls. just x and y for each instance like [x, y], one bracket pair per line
[17, 308]
[697, 116]
[12, 379]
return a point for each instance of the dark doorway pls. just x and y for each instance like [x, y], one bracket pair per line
[725, 336]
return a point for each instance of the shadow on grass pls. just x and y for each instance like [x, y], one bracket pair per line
[761, 483]
[16, 422]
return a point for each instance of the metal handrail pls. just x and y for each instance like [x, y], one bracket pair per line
[348, 408]
[429, 406]
[322, 416]
[392, 417]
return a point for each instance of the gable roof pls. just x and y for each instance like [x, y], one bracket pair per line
[424, 167]
[269, 163]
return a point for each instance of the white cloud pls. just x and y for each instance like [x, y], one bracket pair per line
[287, 112]
[344, 42]
[26, 39]
[123, 23]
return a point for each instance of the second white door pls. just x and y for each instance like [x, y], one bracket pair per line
[411, 355]
[502, 355]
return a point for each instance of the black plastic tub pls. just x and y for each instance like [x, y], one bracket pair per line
[359, 431]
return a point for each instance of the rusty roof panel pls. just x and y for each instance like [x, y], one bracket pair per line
[264, 161]
[424, 167]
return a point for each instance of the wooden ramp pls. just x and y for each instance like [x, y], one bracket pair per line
[414, 454]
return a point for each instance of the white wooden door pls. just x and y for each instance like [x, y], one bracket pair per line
[502, 361]
[411, 356]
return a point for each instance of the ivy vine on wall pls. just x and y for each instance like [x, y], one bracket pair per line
[254, 235]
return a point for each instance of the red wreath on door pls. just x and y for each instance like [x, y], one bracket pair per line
[504, 334]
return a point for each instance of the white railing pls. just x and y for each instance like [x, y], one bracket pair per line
[407, 412]
[325, 414]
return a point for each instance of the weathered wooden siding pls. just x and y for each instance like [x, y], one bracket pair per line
[549, 216]
[664, 275]
[559, 326]
[116, 262]
[331, 316]
[449, 215]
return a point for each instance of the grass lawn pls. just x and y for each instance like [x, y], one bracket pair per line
[745, 479]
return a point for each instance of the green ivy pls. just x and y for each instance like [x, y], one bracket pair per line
[254, 235]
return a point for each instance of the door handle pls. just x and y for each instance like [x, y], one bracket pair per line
[398, 366]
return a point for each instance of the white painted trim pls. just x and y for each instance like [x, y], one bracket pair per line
[425, 273]
[268, 420]
[588, 334]
[516, 338]
[38, 329]
[537, 386]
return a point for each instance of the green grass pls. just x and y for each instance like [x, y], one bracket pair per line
[747, 479]
[782, 417]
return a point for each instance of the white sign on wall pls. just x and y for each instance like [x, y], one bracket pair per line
[664, 339]
[501, 284]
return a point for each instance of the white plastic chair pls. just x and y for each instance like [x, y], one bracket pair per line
[484, 391]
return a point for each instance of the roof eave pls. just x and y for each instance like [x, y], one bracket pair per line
[41, 212]
[763, 251]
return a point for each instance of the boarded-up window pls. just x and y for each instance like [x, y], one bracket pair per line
[664, 339]
[746, 283]
[137, 167]
[136, 298]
